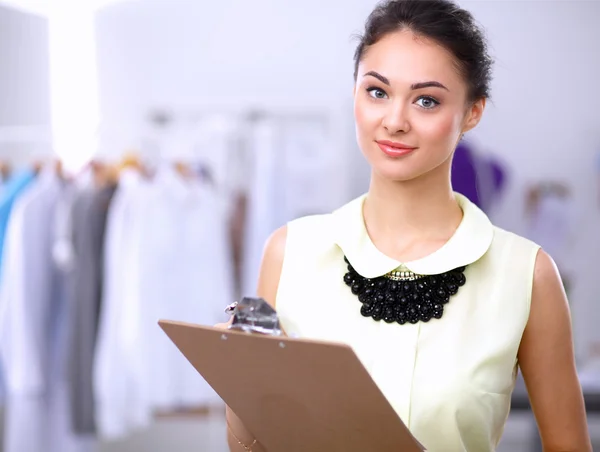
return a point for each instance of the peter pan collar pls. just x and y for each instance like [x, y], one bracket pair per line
[468, 244]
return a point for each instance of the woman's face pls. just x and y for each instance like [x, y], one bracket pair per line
[410, 106]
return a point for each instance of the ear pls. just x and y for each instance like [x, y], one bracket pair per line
[474, 114]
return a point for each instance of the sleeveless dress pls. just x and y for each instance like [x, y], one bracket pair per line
[450, 380]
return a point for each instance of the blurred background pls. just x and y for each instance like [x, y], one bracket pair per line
[148, 148]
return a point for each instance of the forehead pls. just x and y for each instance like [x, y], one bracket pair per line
[404, 57]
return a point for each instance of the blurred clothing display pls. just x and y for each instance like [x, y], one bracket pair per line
[35, 327]
[166, 257]
[589, 376]
[263, 200]
[551, 225]
[11, 189]
[217, 145]
[480, 178]
[292, 176]
[551, 220]
[88, 219]
[464, 173]
[597, 167]
[92, 263]
[218, 142]
[111, 372]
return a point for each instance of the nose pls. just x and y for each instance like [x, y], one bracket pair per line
[396, 120]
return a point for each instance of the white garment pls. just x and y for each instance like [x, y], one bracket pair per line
[166, 257]
[449, 379]
[486, 186]
[33, 328]
[117, 397]
[63, 252]
[182, 273]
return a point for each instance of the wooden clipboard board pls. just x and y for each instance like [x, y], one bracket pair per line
[294, 395]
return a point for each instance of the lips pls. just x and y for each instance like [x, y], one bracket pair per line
[394, 149]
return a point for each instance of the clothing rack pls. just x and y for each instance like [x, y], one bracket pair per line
[116, 137]
[165, 116]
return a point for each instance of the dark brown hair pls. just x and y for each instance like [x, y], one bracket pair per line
[442, 21]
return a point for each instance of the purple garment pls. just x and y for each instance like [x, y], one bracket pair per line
[478, 178]
[499, 175]
[464, 173]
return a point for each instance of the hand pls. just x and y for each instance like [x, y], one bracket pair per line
[223, 326]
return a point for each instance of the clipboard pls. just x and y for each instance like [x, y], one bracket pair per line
[294, 395]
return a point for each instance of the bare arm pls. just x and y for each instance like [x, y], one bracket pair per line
[268, 282]
[547, 361]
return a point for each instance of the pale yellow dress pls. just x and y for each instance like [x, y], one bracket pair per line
[450, 379]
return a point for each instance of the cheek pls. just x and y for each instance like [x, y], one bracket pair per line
[366, 117]
[443, 129]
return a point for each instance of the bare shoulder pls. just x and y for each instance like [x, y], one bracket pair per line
[275, 244]
[549, 304]
[547, 361]
[271, 265]
[548, 295]
[546, 272]
[550, 316]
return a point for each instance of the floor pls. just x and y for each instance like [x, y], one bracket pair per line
[207, 434]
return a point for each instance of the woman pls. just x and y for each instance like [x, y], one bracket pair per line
[439, 305]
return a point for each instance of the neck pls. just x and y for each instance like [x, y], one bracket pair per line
[399, 215]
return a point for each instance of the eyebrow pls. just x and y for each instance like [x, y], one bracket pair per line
[414, 86]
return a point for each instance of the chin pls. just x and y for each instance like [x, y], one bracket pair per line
[397, 171]
[407, 169]
[397, 174]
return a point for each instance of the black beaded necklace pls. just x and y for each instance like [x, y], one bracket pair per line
[402, 297]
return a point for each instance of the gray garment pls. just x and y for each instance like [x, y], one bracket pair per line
[88, 221]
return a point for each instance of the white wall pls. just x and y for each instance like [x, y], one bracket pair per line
[23, 68]
[543, 121]
[189, 53]
[24, 82]
[231, 53]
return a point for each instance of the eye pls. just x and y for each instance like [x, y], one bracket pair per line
[427, 102]
[376, 93]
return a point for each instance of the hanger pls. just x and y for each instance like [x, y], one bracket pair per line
[111, 175]
[104, 174]
[183, 169]
[98, 172]
[131, 160]
[59, 169]
[541, 190]
[37, 166]
[5, 170]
